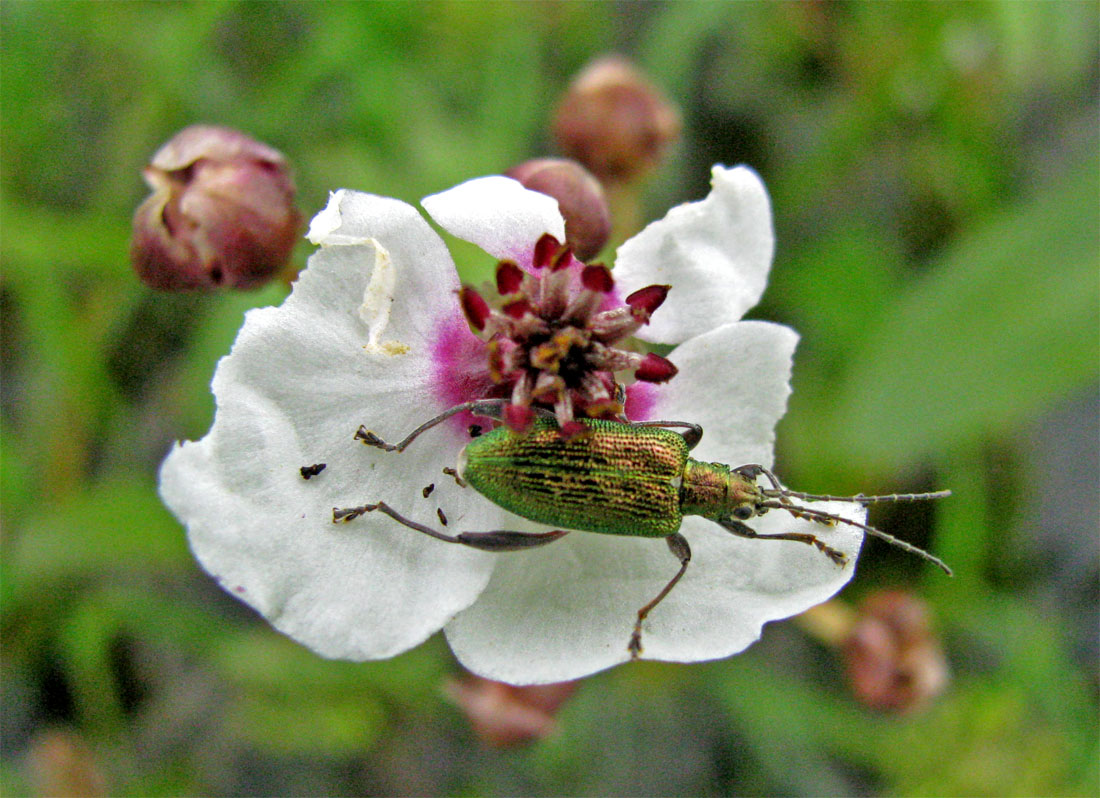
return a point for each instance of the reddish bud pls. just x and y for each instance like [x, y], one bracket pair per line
[503, 715]
[475, 307]
[655, 368]
[614, 121]
[894, 661]
[221, 213]
[509, 278]
[545, 249]
[645, 301]
[580, 199]
[597, 277]
[60, 762]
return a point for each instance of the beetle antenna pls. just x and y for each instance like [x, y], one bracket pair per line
[824, 517]
[859, 498]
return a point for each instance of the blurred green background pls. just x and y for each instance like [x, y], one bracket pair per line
[935, 178]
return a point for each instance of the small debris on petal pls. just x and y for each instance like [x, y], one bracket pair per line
[312, 470]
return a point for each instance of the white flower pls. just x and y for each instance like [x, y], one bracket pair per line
[373, 334]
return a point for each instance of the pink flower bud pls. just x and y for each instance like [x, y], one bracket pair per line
[221, 213]
[894, 659]
[580, 198]
[614, 121]
[505, 716]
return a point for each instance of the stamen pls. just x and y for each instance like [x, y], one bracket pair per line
[545, 249]
[562, 258]
[519, 418]
[518, 309]
[509, 278]
[645, 301]
[548, 386]
[597, 277]
[655, 368]
[571, 429]
[612, 325]
[475, 307]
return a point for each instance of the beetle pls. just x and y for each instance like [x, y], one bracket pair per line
[617, 478]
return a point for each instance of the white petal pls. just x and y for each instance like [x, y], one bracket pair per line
[424, 276]
[499, 215]
[735, 585]
[300, 380]
[734, 382]
[575, 601]
[715, 254]
[567, 610]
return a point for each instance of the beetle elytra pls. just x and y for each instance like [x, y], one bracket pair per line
[618, 478]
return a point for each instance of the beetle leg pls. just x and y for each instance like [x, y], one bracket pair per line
[753, 470]
[693, 433]
[488, 408]
[745, 531]
[678, 545]
[497, 540]
[453, 474]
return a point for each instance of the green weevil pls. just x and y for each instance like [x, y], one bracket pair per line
[617, 478]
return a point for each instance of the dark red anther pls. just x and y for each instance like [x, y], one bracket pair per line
[518, 309]
[509, 278]
[475, 308]
[545, 249]
[597, 277]
[646, 300]
[655, 368]
[562, 258]
[518, 417]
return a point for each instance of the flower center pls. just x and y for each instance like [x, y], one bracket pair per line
[551, 343]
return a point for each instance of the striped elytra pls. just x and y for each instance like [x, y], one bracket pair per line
[612, 478]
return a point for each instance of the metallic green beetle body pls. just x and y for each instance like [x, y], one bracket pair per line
[614, 479]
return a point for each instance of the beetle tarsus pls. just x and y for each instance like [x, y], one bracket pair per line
[680, 549]
[370, 439]
[495, 541]
[453, 474]
[345, 514]
[745, 531]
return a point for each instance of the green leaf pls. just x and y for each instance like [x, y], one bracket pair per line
[114, 527]
[1002, 328]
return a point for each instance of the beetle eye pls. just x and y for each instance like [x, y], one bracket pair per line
[743, 512]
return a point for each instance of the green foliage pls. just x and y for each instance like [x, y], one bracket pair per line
[934, 178]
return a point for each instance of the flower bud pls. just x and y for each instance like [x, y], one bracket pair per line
[580, 199]
[894, 660]
[505, 716]
[221, 213]
[614, 121]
